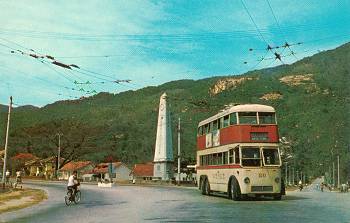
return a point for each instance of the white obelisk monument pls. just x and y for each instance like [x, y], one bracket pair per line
[163, 155]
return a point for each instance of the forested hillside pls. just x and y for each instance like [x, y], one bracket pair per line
[311, 98]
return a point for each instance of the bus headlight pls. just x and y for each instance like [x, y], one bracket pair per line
[277, 179]
[247, 180]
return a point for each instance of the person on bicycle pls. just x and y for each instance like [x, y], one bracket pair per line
[18, 177]
[73, 183]
[300, 185]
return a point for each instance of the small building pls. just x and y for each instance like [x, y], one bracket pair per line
[42, 167]
[34, 167]
[186, 177]
[82, 167]
[115, 171]
[18, 162]
[49, 167]
[188, 174]
[142, 172]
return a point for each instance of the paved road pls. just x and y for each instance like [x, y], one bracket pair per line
[172, 204]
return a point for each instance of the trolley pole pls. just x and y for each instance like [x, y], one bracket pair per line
[178, 152]
[6, 143]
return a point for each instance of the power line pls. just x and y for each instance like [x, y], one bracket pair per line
[170, 36]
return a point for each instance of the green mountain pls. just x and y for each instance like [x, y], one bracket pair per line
[311, 97]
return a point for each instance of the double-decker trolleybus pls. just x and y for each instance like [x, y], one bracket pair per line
[237, 153]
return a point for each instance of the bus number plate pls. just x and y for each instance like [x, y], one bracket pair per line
[262, 175]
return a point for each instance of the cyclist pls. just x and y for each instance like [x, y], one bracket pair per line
[73, 183]
[18, 177]
[300, 185]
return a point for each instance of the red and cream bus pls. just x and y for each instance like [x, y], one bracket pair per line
[237, 153]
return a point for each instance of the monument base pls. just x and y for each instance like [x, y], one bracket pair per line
[163, 171]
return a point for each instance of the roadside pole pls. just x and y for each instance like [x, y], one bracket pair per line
[178, 153]
[338, 172]
[286, 174]
[6, 143]
[333, 180]
[59, 153]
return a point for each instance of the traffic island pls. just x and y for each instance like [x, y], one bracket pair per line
[20, 198]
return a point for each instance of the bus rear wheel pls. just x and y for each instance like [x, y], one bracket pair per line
[277, 197]
[205, 187]
[235, 190]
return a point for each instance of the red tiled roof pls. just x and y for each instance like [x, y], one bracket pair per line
[100, 170]
[115, 164]
[143, 170]
[75, 165]
[24, 156]
[103, 167]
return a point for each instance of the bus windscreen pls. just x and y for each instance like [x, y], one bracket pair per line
[271, 157]
[251, 156]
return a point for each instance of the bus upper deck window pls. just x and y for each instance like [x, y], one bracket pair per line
[200, 130]
[226, 121]
[247, 118]
[233, 119]
[267, 118]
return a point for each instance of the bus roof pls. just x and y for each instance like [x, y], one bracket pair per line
[239, 108]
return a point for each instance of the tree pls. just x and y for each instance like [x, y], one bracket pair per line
[76, 140]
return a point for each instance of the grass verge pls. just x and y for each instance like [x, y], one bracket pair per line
[20, 198]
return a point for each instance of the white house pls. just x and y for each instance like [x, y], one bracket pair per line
[119, 171]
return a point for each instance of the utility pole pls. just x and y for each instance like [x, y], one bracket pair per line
[293, 180]
[333, 180]
[59, 153]
[297, 177]
[338, 172]
[6, 143]
[286, 175]
[178, 152]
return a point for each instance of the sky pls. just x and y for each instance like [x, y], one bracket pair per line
[127, 45]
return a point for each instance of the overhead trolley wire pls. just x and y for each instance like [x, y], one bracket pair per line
[287, 45]
[71, 67]
[251, 18]
[269, 48]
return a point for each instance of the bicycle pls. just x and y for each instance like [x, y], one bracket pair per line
[69, 198]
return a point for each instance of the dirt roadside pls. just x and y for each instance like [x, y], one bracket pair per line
[20, 198]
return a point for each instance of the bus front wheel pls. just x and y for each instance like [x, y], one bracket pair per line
[235, 190]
